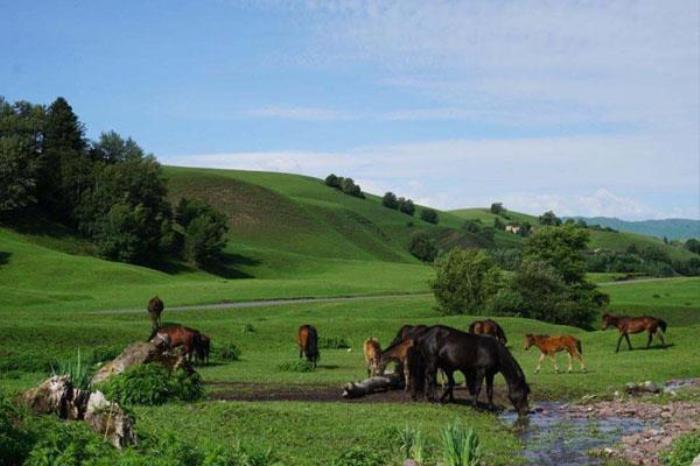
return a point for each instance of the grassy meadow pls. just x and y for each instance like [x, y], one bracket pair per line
[292, 237]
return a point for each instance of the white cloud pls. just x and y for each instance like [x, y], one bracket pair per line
[299, 113]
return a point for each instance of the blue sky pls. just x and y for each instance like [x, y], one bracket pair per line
[587, 108]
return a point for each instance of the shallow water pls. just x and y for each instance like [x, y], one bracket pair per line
[553, 436]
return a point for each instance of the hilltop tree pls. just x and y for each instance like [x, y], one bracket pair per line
[406, 206]
[429, 215]
[550, 219]
[497, 208]
[389, 200]
[111, 148]
[332, 181]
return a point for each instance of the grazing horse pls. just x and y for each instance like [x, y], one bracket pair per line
[550, 346]
[398, 352]
[627, 325]
[179, 335]
[373, 354]
[307, 339]
[478, 358]
[203, 349]
[488, 327]
[155, 308]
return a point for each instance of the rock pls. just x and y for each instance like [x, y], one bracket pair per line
[141, 353]
[696, 461]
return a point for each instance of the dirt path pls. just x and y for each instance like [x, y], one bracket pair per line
[266, 303]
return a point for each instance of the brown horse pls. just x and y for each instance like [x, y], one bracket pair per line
[398, 352]
[373, 354]
[627, 325]
[488, 327]
[155, 309]
[550, 346]
[179, 336]
[307, 339]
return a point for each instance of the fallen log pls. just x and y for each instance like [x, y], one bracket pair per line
[379, 383]
[56, 395]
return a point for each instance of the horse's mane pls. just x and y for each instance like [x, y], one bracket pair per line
[499, 331]
[510, 368]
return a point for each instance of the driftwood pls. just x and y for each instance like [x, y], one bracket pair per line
[156, 350]
[380, 383]
[56, 395]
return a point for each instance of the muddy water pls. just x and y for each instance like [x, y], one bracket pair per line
[553, 436]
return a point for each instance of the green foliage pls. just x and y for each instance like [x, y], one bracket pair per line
[498, 224]
[14, 440]
[78, 369]
[152, 384]
[683, 450]
[406, 206]
[692, 245]
[549, 218]
[506, 258]
[411, 444]
[346, 185]
[299, 365]
[465, 280]
[230, 352]
[205, 230]
[561, 247]
[333, 343]
[389, 200]
[429, 215]
[332, 181]
[460, 446]
[497, 208]
[357, 456]
[423, 247]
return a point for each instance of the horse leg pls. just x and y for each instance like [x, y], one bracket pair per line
[579, 356]
[553, 357]
[430, 375]
[447, 390]
[629, 344]
[477, 386]
[539, 363]
[570, 362]
[489, 388]
[619, 340]
[661, 337]
[651, 335]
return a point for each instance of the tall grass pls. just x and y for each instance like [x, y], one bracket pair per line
[460, 446]
[77, 369]
[412, 444]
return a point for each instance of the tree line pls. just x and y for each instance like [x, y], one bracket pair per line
[109, 191]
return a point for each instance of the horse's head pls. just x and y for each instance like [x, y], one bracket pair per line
[529, 341]
[607, 321]
[518, 397]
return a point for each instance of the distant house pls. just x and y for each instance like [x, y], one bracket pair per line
[515, 229]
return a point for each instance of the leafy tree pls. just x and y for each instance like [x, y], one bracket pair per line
[561, 247]
[465, 280]
[66, 171]
[333, 181]
[112, 148]
[389, 200]
[423, 247]
[348, 186]
[205, 230]
[497, 208]
[693, 245]
[472, 225]
[429, 215]
[406, 206]
[550, 219]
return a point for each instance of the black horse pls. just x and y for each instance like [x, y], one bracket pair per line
[477, 357]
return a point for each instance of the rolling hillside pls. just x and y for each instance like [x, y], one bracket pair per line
[671, 228]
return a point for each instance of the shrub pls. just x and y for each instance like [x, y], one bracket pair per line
[152, 384]
[549, 218]
[249, 328]
[357, 456]
[333, 343]
[465, 281]
[300, 365]
[683, 450]
[332, 181]
[389, 200]
[497, 208]
[423, 247]
[460, 446]
[15, 442]
[230, 352]
[429, 215]
[406, 206]
[205, 230]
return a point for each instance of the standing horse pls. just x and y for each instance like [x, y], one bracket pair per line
[307, 339]
[478, 358]
[179, 335]
[488, 327]
[155, 308]
[550, 346]
[373, 353]
[627, 325]
[398, 352]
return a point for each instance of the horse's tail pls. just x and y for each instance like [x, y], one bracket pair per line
[312, 345]
[578, 346]
[662, 325]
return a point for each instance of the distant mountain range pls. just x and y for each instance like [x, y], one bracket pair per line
[671, 228]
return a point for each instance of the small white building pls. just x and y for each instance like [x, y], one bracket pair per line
[515, 229]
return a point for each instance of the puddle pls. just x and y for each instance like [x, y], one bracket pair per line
[554, 436]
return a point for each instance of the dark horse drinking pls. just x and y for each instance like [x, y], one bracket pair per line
[477, 357]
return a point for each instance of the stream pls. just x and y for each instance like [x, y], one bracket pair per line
[554, 436]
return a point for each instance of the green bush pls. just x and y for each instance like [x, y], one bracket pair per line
[152, 384]
[423, 247]
[15, 442]
[230, 352]
[357, 456]
[683, 450]
[411, 444]
[67, 444]
[300, 365]
[429, 215]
